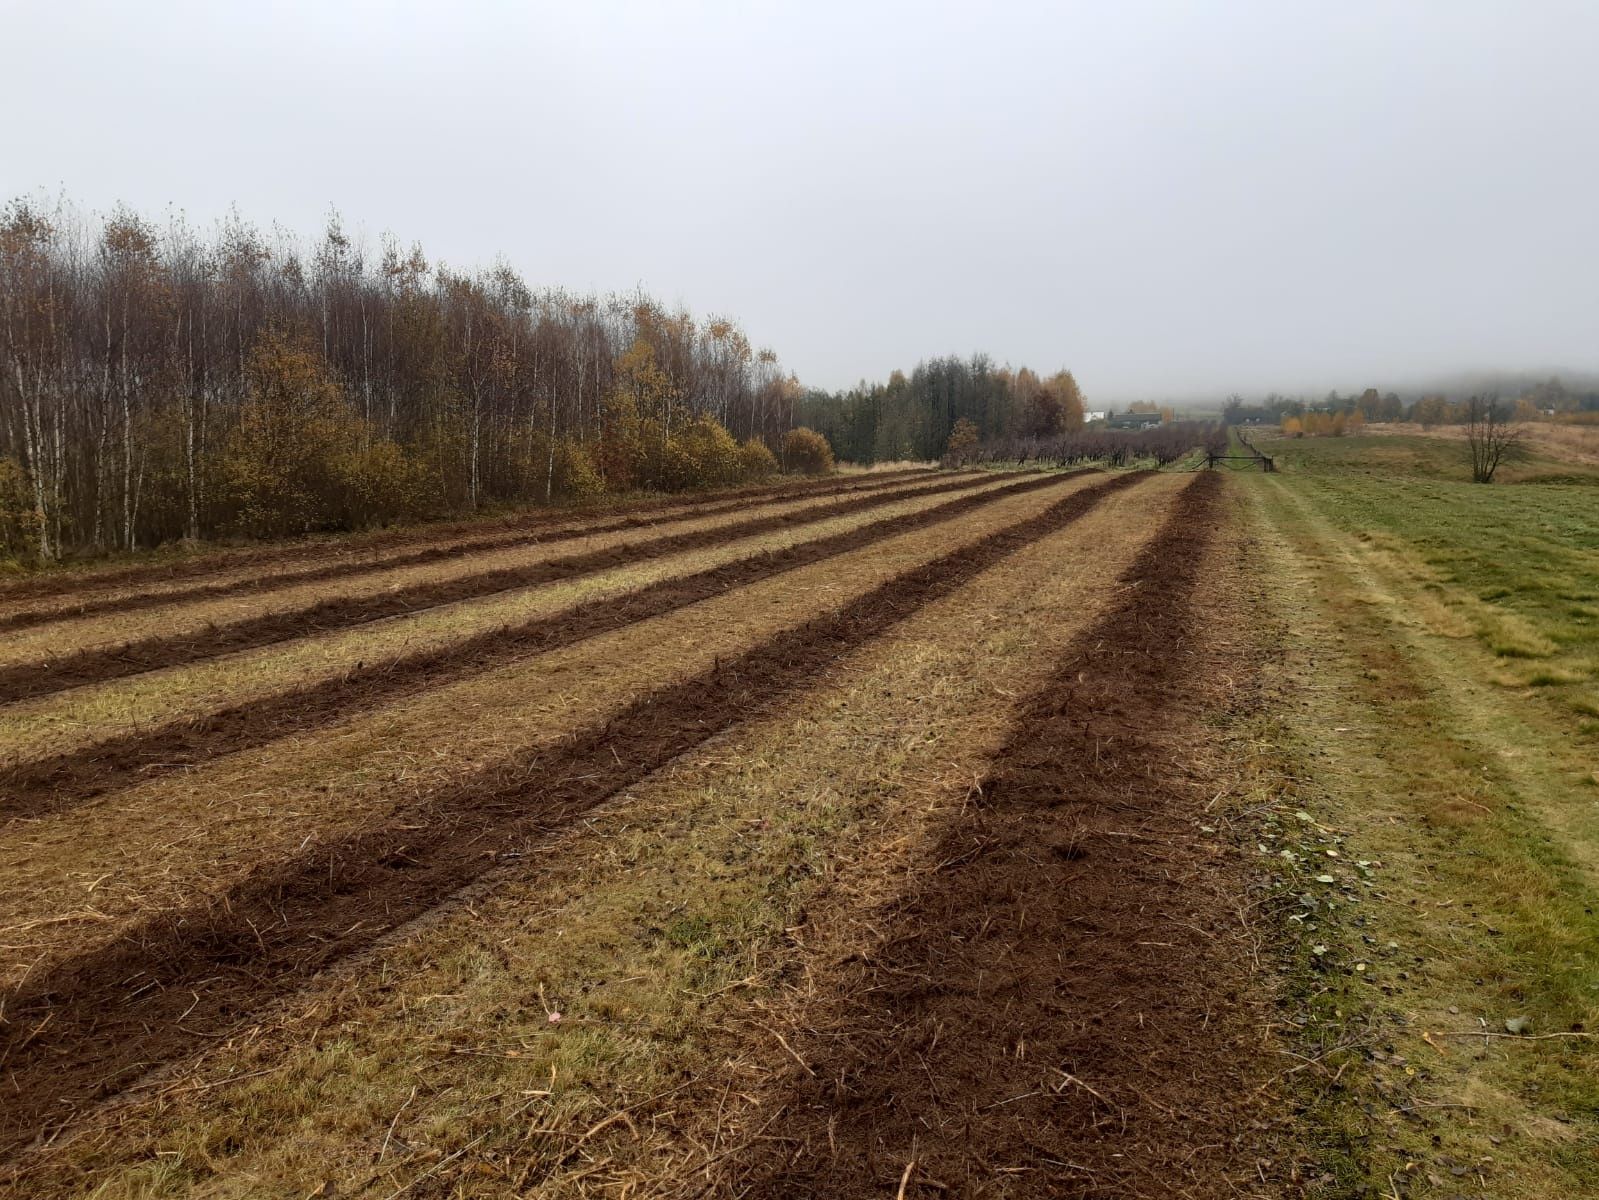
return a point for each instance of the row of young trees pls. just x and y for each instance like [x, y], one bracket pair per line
[1160, 445]
[163, 382]
[912, 417]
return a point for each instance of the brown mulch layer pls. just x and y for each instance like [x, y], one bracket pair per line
[88, 1026]
[24, 680]
[529, 532]
[52, 784]
[1059, 1003]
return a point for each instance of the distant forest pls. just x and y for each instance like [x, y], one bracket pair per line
[162, 382]
[912, 417]
[1548, 397]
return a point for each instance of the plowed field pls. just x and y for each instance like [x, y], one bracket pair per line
[832, 840]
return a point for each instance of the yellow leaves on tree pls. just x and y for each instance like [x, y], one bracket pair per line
[1323, 424]
[1050, 407]
[757, 462]
[20, 518]
[637, 452]
[299, 458]
[1063, 387]
[807, 452]
[639, 378]
[1433, 410]
[962, 439]
[700, 454]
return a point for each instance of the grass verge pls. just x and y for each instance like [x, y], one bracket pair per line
[1429, 837]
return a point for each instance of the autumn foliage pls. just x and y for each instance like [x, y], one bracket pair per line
[807, 452]
[963, 440]
[157, 385]
[1324, 424]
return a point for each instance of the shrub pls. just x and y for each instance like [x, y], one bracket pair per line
[280, 465]
[378, 482]
[576, 475]
[962, 440]
[19, 516]
[807, 452]
[620, 455]
[700, 454]
[756, 461]
[570, 472]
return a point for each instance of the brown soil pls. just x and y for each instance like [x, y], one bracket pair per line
[66, 582]
[1057, 1004]
[51, 784]
[91, 1025]
[25, 680]
[443, 551]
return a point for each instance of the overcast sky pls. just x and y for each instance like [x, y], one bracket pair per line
[1171, 199]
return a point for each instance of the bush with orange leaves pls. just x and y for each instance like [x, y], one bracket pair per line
[807, 452]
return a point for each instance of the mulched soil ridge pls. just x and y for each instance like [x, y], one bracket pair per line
[89, 1026]
[1056, 1006]
[443, 551]
[26, 680]
[62, 583]
[52, 784]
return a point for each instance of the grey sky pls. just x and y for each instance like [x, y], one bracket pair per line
[1169, 198]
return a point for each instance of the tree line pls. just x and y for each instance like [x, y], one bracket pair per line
[165, 382]
[1549, 399]
[914, 416]
[1161, 445]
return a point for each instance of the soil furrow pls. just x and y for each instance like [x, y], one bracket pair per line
[26, 680]
[52, 784]
[443, 552]
[1053, 1006]
[67, 582]
[90, 1025]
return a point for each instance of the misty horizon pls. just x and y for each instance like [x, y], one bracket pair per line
[1174, 204]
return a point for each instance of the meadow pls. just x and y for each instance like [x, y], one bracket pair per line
[1426, 754]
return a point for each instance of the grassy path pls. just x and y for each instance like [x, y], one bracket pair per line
[1431, 818]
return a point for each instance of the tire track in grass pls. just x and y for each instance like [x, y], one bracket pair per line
[90, 1025]
[1051, 1006]
[443, 552]
[28, 680]
[58, 782]
[65, 583]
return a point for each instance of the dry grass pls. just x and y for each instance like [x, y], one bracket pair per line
[1577, 444]
[435, 1061]
[67, 720]
[879, 468]
[75, 879]
[103, 577]
[194, 617]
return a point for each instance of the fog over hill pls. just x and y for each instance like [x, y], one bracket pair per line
[1169, 199]
[1454, 385]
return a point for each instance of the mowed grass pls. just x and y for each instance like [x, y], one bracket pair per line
[1432, 816]
[1515, 564]
[438, 1062]
[77, 878]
